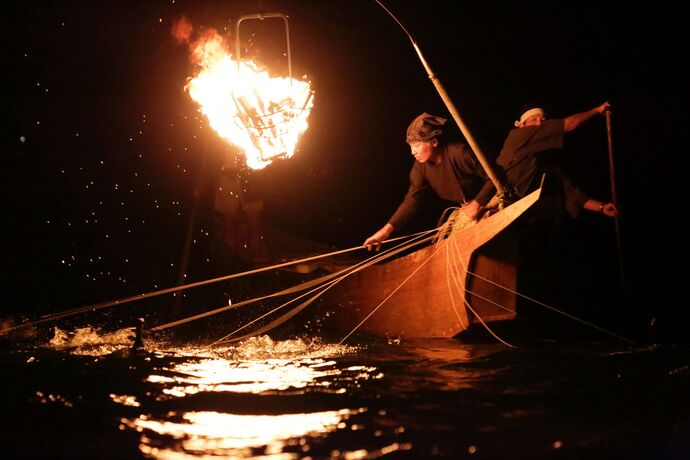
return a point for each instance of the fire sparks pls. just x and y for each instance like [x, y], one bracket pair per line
[262, 115]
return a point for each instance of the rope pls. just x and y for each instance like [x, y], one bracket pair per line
[346, 272]
[289, 290]
[122, 301]
[445, 229]
[448, 279]
[387, 297]
[467, 304]
[450, 290]
[568, 315]
[273, 324]
[293, 289]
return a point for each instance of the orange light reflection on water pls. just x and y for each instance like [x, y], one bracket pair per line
[258, 367]
[217, 434]
[242, 377]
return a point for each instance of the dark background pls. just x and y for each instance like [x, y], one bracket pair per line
[105, 154]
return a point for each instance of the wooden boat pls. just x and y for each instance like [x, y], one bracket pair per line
[467, 277]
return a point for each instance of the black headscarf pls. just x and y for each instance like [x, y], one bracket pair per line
[424, 128]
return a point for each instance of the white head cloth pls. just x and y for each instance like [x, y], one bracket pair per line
[527, 114]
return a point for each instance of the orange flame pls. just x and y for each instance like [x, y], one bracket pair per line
[262, 115]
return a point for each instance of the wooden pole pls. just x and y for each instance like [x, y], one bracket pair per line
[614, 197]
[453, 111]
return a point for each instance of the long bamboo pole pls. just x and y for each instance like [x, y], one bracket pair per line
[452, 109]
[614, 197]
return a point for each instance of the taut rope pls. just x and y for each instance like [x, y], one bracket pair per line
[148, 295]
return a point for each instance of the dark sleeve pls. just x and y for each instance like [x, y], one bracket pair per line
[530, 140]
[575, 198]
[416, 194]
[488, 189]
[474, 180]
[486, 193]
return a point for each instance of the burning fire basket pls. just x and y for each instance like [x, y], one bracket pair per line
[272, 122]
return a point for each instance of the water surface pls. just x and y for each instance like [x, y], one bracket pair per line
[82, 393]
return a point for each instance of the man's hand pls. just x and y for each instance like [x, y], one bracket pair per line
[375, 240]
[610, 210]
[472, 209]
[603, 107]
[607, 209]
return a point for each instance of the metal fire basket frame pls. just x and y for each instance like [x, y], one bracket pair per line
[263, 127]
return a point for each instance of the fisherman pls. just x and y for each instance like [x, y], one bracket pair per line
[529, 150]
[449, 169]
[553, 267]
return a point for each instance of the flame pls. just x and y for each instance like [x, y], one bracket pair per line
[262, 115]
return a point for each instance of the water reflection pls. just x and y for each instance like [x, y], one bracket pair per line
[257, 365]
[443, 365]
[218, 421]
[243, 377]
[305, 399]
[218, 434]
[260, 398]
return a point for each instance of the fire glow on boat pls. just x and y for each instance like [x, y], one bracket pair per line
[261, 114]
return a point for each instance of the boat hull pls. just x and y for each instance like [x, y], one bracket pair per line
[438, 291]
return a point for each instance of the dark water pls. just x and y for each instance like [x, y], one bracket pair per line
[82, 394]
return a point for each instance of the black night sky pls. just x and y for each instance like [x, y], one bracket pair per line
[104, 151]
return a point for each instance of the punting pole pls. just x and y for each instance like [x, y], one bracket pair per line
[453, 111]
[614, 197]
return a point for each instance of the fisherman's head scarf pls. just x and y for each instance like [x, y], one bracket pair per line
[529, 113]
[425, 128]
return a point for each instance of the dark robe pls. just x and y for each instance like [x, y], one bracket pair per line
[526, 155]
[458, 178]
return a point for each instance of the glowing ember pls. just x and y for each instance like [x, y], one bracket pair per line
[262, 115]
